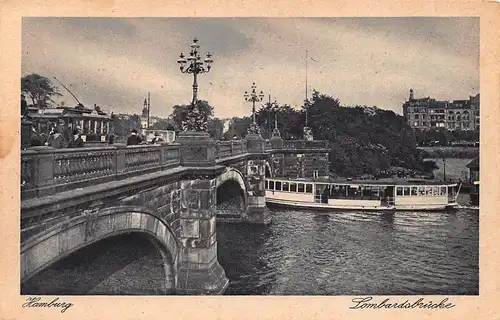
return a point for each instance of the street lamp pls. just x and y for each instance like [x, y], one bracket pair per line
[254, 97]
[276, 132]
[192, 64]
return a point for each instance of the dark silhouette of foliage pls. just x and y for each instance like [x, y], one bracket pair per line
[180, 111]
[215, 128]
[123, 126]
[238, 127]
[163, 124]
[39, 90]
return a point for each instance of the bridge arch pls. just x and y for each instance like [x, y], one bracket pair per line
[63, 239]
[231, 184]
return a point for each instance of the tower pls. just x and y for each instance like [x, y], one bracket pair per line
[144, 117]
[411, 95]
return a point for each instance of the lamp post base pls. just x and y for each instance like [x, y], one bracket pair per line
[197, 149]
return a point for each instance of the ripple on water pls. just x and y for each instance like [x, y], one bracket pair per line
[311, 253]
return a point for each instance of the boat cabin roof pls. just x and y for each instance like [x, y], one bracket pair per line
[382, 182]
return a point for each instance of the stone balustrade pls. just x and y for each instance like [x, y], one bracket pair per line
[224, 149]
[45, 171]
[304, 144]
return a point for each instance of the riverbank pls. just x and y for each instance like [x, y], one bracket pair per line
[449, 152]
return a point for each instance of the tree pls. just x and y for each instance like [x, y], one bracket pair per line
[215, 128]
[238, 127]
[289, 120]
[123, 126]
[39, 89]
[163, 124]
[180, 111]
[365, 139]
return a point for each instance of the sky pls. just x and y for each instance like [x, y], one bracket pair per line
[115, 62]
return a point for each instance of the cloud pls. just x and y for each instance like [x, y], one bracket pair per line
[374, 61]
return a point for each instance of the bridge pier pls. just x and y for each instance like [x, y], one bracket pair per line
[75, 197]
[199, 270]
[256, 211]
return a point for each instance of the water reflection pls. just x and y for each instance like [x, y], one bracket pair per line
[237, 240]
[388, 219]
[353, 253]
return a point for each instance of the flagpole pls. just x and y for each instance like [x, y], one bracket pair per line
[306, 88]
[306, 74]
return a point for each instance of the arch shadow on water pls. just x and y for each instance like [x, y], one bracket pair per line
[240, 252]
[125, 264]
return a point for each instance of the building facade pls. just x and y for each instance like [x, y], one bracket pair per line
[428, 114]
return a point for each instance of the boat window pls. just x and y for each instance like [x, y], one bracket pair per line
[435, 191]
[271, 185]
[428, 191]
[286, 186]
[293, 187]
[399, 191]
[406, 191]
[421, 191]
[414, 191]
[375, 190]
[337, 192]
[309, 188]
[300, 188]
[278, 186]
[443, 191]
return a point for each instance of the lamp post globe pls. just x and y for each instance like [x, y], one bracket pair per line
[254, 97]
[193, 64]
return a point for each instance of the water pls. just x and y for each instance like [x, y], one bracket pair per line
[353, 253]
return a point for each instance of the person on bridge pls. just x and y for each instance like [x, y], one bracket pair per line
[56, 140]
[77, 141]
[35, 140]
[157, 138]
[134, 139]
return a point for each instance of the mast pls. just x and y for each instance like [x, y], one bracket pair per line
[69, 91]
[305, 101]
[306, 74]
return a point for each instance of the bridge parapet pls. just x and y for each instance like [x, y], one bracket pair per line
[231, 148]
[297, 144]
[45, 171]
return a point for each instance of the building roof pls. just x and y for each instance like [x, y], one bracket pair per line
[368, 182]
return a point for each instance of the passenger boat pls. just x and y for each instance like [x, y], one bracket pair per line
[375, 195]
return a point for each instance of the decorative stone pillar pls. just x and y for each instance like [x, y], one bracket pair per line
[44, 174]
[197, 149]
[199, 271]
[256, 181]
[25, 133]
[277, 158]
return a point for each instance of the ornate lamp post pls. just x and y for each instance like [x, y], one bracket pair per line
[276, 132]
[254, 97]
[192, 64]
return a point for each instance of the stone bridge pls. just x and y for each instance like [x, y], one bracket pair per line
[168, 195]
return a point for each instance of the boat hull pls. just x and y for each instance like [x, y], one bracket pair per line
[329, 207]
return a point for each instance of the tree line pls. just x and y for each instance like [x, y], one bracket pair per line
[363, 140]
